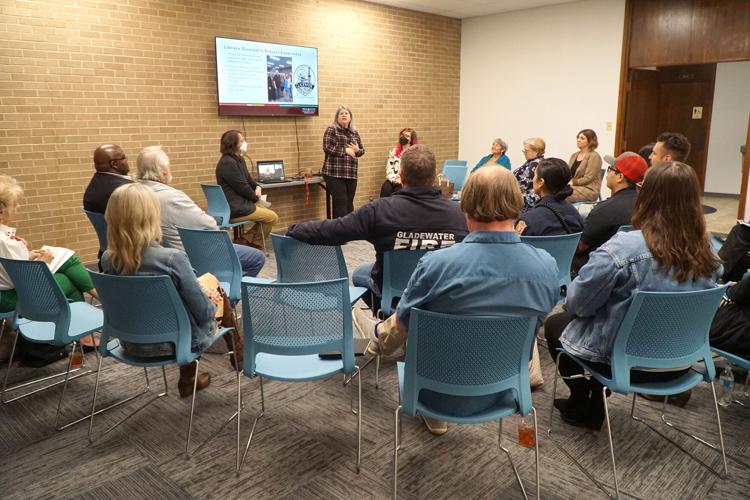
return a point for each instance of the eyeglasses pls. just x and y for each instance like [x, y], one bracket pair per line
[123, 157]
[613, 169]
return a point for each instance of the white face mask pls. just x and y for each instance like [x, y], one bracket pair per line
[243, 148]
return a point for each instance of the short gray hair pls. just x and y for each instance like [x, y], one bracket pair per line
[151, 161]
[501, 143]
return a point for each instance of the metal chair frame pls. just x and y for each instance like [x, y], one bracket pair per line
[622, 362]
[218, 207]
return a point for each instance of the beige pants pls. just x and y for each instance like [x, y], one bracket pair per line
[264, 220]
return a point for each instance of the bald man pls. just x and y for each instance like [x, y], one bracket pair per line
[112, 169]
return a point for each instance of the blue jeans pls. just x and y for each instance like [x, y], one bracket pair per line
[251, 260]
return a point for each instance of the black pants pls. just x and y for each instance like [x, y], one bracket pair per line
[342, 191]
[734, 253]
[580, 388]
[388, 188]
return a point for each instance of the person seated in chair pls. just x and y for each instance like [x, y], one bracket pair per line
[552, 215]
[133, 234]
[72, 276]
[730, 329]
[491, 272]
[623, 174]
[242, 192]
[177, 209]
[413, 218]
[112, 169]
[668, 251]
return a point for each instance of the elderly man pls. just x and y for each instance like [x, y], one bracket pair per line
[416, 217]
[177, 209]
[112, 169]
[490, 272]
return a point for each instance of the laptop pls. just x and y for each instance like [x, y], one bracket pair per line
[271, 171]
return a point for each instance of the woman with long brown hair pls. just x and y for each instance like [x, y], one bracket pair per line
[668, 251]
[585, 167]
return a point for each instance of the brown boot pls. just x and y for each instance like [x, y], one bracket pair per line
[187, 377]
[235, 359]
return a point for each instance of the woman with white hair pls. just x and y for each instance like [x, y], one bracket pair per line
[177, 209]
[133, 235]
[342, 146]
[497, 156]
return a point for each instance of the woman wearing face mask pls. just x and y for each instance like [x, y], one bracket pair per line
[342, 147]
[407, 137]
[241, 190]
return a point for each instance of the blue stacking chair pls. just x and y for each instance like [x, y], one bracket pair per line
[218, 207]
[456, 171]
[100, 226]
[213, 252]
[286, 326]
[398, 266]
[741, 362]
[145, 310]
[298, 262]
[664, 331]
[491, 355]
[48, 318]
[562, 248]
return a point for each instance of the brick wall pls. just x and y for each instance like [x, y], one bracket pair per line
[138, 73]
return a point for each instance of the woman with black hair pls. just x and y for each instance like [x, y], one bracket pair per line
[552, 214]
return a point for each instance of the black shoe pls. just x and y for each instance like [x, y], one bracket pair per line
[586, 415]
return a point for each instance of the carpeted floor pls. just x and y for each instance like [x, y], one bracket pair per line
[304, 446]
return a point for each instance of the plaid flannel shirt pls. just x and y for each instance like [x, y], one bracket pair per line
[337, 162]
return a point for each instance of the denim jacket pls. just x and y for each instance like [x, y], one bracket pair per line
[160, 261]
[601, 294]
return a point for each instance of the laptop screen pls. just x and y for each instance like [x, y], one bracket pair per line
[270, 170]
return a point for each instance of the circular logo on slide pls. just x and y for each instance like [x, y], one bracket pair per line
[304, 79]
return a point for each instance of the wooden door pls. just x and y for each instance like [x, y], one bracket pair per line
[745, 175]
[683, 89]
[641, 109]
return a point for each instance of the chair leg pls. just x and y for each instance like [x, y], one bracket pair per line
[127, 417]
[396, 447]
[510, 459]
[609, 436]
[377, 371]
[702, 441]
[65, 383]
[536, 454]
[359, 419]
[192, 406]
[255, 423]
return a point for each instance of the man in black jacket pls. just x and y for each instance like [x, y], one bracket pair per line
[111, 172]
[415, 218]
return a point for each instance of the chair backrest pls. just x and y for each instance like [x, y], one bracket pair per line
[456, 171]
[212, 252]
[143, 310]
[561, 247]
[100, 226]
[468, 356]
[39, 297]
[625, 228]
[398, 266]
[664, 330]
[300, 262]
[297, 319]
[218, 206]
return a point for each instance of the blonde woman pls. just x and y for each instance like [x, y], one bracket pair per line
[533, 151]
[133, 235]
[585, 167]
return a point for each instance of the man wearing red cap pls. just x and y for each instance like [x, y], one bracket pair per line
[623, 173]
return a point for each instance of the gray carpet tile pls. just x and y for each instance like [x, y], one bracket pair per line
[303, 447]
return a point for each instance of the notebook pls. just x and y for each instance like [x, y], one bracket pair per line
[271, 171]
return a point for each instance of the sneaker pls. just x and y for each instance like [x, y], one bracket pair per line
[435, 426]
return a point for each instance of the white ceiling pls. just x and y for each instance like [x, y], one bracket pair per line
[462, 9]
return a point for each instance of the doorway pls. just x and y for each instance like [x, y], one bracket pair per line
[673, 99]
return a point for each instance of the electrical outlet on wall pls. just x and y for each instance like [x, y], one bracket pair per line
[608, 126]
[697, 112]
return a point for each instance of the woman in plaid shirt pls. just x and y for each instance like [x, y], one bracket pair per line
[342, 146]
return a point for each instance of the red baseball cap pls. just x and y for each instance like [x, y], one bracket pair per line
[630, 164]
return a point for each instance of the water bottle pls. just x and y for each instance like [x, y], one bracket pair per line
[726, 386]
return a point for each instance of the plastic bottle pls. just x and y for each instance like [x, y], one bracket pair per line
[526, 435]
[726, 386]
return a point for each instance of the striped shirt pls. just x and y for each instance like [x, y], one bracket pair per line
[337, 162]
